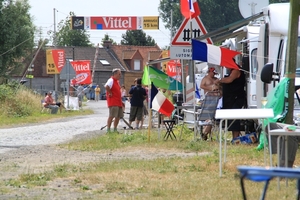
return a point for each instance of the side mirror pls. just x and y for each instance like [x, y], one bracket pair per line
[266, 74]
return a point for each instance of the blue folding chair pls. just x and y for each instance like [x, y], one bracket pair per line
[260, 174]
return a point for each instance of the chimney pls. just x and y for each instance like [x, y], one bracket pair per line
[107, 44]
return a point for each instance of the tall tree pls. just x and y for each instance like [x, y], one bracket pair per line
[138, 38]
[65, 36]
[107, 38]
[16, 35]
[214, 13]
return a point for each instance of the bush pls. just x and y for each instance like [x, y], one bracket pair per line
[18, 101]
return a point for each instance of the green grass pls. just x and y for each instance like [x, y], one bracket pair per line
[173, 177]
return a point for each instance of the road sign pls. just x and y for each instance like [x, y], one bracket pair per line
[181, 52]
[183, 35]
[29, 76]
[67, 72]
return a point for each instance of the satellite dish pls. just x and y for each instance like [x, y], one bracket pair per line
[251, 7]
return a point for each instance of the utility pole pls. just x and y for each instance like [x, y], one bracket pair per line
[54, 44]
[291, 61]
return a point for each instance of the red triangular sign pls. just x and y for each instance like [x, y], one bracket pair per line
[183, 35]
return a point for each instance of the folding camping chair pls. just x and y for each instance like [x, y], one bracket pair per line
[204, 116]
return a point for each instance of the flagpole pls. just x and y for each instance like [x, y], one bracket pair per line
[149, 110]
[193, 77]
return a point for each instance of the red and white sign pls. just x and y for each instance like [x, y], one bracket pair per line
[183, 35]
[83, 71]
[116, 23]
[174, 68]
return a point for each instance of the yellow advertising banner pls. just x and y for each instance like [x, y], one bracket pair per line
[165, 54]
[150, 23]
[55, 60]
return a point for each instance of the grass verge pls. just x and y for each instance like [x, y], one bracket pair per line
[172, 176]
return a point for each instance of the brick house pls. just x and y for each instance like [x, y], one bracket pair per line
[130, 59]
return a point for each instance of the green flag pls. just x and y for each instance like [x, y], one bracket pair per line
[145, 78]
[160, 79]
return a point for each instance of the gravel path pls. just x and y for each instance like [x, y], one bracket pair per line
[32, 149]
[54, 132]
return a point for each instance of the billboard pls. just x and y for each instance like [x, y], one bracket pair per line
[83, 71]
[55, 60]
[115, 23]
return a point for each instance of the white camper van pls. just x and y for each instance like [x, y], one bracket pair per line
[262, 40]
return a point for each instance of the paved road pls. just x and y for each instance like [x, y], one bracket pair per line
[54, 132]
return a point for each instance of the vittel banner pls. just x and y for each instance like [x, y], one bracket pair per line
[83, 71]
[55, 60]
[115, 23]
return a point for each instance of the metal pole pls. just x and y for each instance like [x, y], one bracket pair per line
[54, 44]
[68, 83]
[292, 56]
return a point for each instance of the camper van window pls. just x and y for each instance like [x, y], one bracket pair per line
[298, 54]
[280, 61]
[254, 63]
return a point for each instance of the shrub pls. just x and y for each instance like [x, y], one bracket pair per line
[18, 101]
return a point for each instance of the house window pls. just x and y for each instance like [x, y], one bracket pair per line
[137, 65]
[104, 62]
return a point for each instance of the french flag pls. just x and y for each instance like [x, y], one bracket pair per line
[213, 54]
[189, 8]
[160, 103]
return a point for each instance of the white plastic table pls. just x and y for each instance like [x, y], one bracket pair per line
[280, 133]
[236, 114]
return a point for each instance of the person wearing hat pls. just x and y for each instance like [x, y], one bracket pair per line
[49, 103]
[208, 85]
[208, 82]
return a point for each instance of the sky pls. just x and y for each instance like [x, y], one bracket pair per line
[43, 16]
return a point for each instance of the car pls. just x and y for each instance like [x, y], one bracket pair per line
[103, 96]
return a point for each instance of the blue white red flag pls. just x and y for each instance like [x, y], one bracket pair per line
[213, 54]
[159, 102]
[189, 8]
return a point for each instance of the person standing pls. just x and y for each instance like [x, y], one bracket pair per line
[97, 93]
[123, 96]
[234, 96]
[208, 82]
[208, 85]
[138, 95]
[114, 101]
[80, 93]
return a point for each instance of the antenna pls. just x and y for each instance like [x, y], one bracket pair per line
[251, 7]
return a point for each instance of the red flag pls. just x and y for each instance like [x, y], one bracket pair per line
[189, 8]
[160, 103]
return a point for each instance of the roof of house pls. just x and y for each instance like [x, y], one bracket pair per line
[124, 52]
[106, 61]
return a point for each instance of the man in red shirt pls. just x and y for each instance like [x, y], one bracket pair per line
[49, 103]
[114, 100]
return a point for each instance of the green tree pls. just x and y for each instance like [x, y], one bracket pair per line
[168, 8]
[107, 38]
[214, 13]
[138, 38]
[65, 36]
[16, 35]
